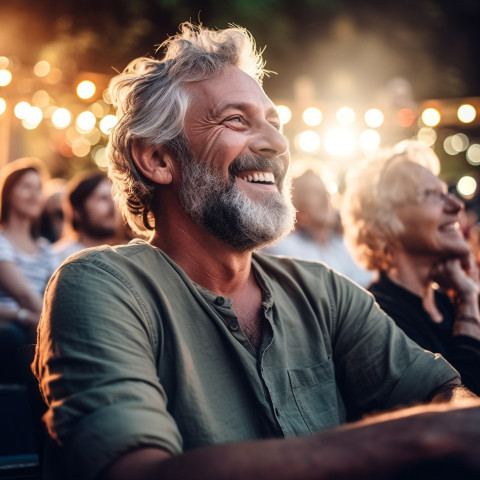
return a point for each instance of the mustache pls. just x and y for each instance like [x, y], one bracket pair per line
[258, 162]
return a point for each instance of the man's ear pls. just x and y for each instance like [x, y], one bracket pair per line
[153, 161]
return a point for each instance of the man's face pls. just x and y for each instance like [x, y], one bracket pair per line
[312, 202]
[98, 218]
[233, 183]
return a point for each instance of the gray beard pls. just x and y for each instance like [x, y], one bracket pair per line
[221, 208]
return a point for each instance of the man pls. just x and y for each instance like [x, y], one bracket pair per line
[190, 356]
[90, 218]
[316, 235]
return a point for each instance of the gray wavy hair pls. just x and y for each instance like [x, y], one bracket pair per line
[151, 104]
[373, 191]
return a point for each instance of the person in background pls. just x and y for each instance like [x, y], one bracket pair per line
[316, 235]
[26, 261]
[90, 215]
[52, 218]
[402, 221]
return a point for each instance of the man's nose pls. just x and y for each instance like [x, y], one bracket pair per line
[269, 142]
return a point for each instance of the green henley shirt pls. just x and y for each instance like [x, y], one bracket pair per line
[132, 353]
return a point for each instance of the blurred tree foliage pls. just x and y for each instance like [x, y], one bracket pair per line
[358, 45]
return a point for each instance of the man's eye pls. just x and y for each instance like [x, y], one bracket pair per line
[236, 118]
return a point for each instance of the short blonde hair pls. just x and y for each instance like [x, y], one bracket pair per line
[373, 190]
[151, 104]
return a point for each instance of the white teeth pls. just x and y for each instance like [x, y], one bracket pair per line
[260, 177]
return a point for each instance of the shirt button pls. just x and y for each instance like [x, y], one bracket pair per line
[234, 326]
[219, 301]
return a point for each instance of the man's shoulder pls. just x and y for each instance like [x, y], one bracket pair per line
[136, 252]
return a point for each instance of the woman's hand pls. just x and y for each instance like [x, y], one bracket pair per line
[460, 275]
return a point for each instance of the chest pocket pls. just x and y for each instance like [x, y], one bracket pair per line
[315, 392]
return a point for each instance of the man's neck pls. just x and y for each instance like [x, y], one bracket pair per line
[206, 260]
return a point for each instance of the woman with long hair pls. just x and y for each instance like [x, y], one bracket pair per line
[26, 260]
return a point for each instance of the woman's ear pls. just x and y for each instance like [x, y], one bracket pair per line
[153, 161]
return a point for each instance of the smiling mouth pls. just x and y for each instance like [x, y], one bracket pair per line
[450, 227]
[263, 178]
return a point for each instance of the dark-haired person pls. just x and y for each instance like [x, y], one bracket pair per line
[191, 356]
[26, 261]
[90, 215]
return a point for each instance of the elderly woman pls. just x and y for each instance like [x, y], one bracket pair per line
[401, 220]
[26, 261]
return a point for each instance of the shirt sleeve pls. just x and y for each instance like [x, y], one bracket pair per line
[96, 365]
[378, 366]
[7, 252]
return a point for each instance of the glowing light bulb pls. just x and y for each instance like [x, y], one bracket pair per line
[309, 141]
[345, 116]
[5, 77]
[86, 89]
[374, 117]
[431, 117]
[466, 186]
[466, 113]
[61, 118]
[284, 113]
[312, 116]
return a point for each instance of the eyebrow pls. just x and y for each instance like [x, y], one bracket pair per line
[245, 107]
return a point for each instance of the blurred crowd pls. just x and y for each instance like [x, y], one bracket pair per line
[43, 221]
[399, 234]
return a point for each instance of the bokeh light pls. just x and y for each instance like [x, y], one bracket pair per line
[466, 113]
[5, 77]
[345, 116]
[99, 157]
[431, 117]
[32, 118]
[309, 141]
[374, 117]
[460, 142]
[86, 89]
[312, 116]
[41, 98]
[61, 118]
[340, 141]
[81, 147]
[448, 147]
[85, 122]
[3, 106]
[284, 113]
[466, 186]
[473, 154]
[99, 109]
[369, 140]
[427, 136]
[406, 117]
[4, 62]
[41, 68]
[107, 123]
[21, 110]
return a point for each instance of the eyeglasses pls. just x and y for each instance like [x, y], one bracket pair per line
[431, 195]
